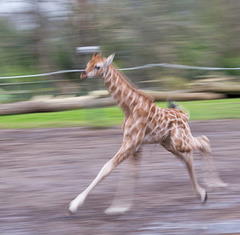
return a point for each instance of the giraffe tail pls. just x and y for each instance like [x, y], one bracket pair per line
[173, 105]
[202, 143]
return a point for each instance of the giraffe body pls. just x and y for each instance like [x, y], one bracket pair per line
[145, 117]
[144, 123]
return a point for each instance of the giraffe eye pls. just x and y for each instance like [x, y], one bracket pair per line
[97, 67]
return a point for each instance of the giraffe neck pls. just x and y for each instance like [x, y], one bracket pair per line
[126, 96]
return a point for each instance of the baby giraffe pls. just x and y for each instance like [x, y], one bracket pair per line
[145, 123]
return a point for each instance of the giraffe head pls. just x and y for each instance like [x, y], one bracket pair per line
[97, 66]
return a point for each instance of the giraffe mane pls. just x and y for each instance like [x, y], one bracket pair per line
[133, 86]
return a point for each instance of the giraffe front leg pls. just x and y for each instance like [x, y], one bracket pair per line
[79, 200]
[123, 153]
[122, 201]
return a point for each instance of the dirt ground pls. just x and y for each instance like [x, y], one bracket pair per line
[42, 170]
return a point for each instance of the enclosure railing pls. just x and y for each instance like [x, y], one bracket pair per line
[14, 91]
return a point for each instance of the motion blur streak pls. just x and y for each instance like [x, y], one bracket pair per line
[42, 36]
[184, 50]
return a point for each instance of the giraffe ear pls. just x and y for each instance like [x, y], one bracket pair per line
[97, 54]
[110, 59]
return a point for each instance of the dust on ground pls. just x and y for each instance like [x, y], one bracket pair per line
[42, 170]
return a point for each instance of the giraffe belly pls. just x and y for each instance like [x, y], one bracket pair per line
[155, 136]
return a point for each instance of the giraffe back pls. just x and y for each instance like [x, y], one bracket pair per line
[163, 122]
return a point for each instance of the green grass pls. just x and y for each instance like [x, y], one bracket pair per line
[103, 117]
[213, 109]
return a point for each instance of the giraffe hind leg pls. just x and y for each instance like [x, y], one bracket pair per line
[187, 159]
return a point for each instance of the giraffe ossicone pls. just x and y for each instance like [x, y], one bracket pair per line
[145, 122]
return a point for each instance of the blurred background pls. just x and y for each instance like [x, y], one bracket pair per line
[43, 169]
[42, 36]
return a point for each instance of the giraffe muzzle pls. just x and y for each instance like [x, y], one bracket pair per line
[83, 75]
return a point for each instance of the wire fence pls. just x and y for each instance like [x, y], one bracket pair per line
[166, 65]
[13, 91]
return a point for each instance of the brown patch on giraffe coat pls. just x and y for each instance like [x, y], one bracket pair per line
[154, 122]
[148, 130]
[113, 89]
[170, 124]
[140, 112]
[182, 115]
[163, 125]
[171, 112]
[146, 96]
[173, 131]
[133, 103]
[120, 82]
[134, 132]
[119, 93]
[125, 108]
[180, 124]
[179, 143]
[136, 113]
[150, 118]
[108, 83]
[141, 125]
[153, 109]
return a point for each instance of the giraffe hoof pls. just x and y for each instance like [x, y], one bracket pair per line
[69, 213]
[204, 198]
[72, 208]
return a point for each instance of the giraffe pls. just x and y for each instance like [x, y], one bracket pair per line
[144, 123]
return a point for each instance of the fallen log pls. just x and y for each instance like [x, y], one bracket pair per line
[174, 95]
[55, 104]
[223, 88]
[184, 96]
